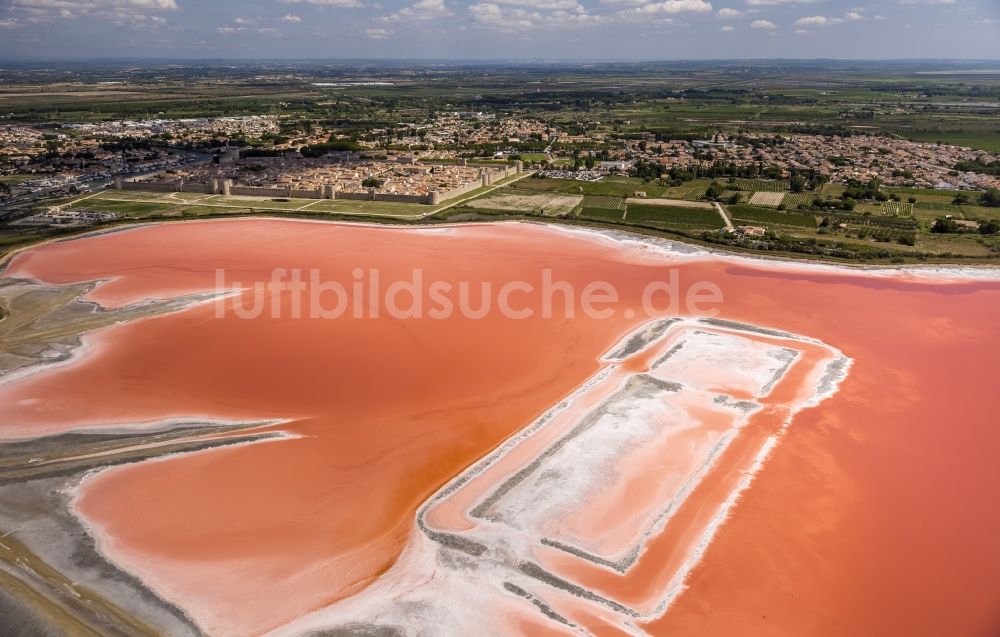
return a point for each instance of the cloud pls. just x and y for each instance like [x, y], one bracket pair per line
[727, 29]
[90, 6]
[379, 34]
[729, 13]
[774, 3]
[136, 13]
[337, 4]
[910, 2]
[822, 21]
[552, 5]
[290, 18]
[419, 11]
[266, 32]
[763, 24]
[815, 21]
[986, 21]
[246, 20]
[8, 24]
[668, 6]
[490, 15]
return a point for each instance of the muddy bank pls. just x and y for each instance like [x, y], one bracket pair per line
[57, 581]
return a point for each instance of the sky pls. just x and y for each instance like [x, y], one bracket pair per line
[500, 29]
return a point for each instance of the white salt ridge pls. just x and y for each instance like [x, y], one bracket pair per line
[678, 251]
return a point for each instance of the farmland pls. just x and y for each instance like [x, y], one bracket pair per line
[777, 145]
[673, 216]
[766, 216]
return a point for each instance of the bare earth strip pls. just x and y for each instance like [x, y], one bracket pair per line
[679, 203]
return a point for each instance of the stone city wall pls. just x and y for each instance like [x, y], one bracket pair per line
[489, 176]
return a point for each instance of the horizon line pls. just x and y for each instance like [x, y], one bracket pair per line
[492, 60]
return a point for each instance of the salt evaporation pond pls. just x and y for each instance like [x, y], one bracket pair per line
[872, 512]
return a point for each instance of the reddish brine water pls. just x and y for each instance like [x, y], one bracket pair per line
[875, 515]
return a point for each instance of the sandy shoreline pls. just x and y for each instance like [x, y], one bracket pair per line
[988, 271]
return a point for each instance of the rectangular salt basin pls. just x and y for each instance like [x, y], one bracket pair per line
[572, 498]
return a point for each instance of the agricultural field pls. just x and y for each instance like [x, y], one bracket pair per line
[897, 209]
[697, 190]
[516, 200]
[793, 200]
[751, 215]
[767, 198]
[130, 208]
[602, 214]
[868, 208]
[144, 204]
[759, 185]
[677, 203]
[926, 194]
[986, 140]
[832, 190]
[684, 217]
[980, 212]
[947, 208]
[533, 157]
[603, 201]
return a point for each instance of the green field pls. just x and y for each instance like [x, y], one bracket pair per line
[141, 204]
[534, 157]
[756, 185]
[603, 201]
[128, 207]
[609, 186]
[602, 214]
[897, 209]
[938, 207]
[980, 212]
[930, 192]
[793, 200]
[987, 140]
[673, 216]
[769, 216]
[740, 195]
[696, 190]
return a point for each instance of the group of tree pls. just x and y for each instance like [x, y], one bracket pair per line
[979, 166]
[805, 180]
[318, 150]
[948, 225]
[869, 190]
[678, 173]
